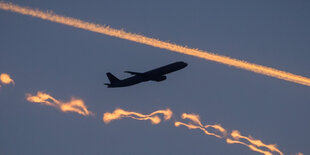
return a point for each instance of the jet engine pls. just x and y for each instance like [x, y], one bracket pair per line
[160, 78]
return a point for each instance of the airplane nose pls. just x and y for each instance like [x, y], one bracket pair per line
[185, 64]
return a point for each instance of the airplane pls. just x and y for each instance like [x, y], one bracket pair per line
[157, 75]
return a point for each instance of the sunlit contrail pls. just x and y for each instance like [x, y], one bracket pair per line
[237, 135]
[254, 143]
[252, 147]
[196, 124]
[75, 105]
[156, 43]
[6, 79]
[233, 138]
[120, 113]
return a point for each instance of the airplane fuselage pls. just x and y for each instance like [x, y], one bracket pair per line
[152, 75]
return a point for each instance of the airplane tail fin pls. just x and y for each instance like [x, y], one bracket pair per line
[112, 78]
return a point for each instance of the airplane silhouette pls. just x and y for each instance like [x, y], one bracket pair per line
[157, 75]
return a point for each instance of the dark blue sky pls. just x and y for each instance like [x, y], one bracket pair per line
[64, 62]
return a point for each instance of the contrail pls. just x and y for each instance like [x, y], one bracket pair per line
[252, 147]
[6, 79]
[196, 120]
[233, 138]
[156, 43]
[236, 135]
[120, 113]
[75, 105]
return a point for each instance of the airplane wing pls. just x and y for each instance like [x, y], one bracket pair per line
[133, 73]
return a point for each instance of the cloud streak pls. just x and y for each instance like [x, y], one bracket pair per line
[120, 113]
[156, 43]
[196, 124]
[6, 79]
[232, 138]
[74, 105]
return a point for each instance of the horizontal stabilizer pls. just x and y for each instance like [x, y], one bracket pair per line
[133, 73]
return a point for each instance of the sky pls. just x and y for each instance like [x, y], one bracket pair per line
[67, 62]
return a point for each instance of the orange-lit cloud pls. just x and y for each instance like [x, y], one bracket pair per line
[156, 43]
[75, 105]
[253, 148]
[232, 138]
[195, 123]
[6, 79]
[254, 144]
[120, 113]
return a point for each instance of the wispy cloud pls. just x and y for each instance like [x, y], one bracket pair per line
[74, 105]
[120, 113]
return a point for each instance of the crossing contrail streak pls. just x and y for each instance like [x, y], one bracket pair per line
[155, 43]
